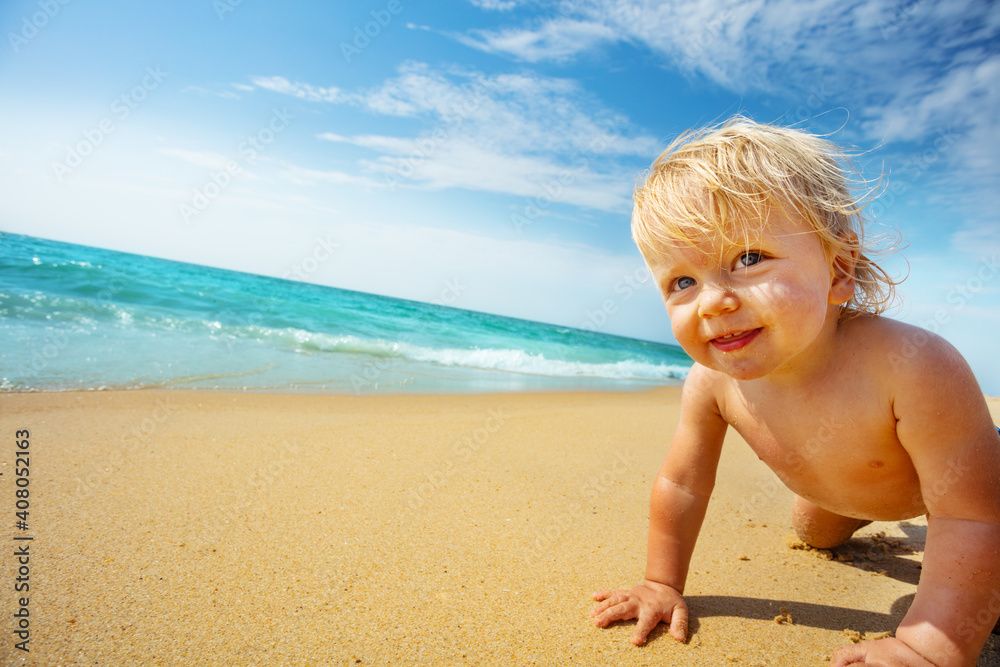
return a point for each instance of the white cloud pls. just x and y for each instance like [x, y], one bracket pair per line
[744, 45]
[520, 134]
[330, 136]
[953, 123]
[397, 145]
[776, 46]
[967, 95]
[559, 40]
[280, 84]
[495, 5]
[206, 159]
[305, 176]
[417, 90]
[465, 164]
[977, 238]
[907, 73]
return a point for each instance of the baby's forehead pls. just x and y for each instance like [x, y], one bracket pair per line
[708, 247]
[709, 243]
[741, 230]
[704, 252]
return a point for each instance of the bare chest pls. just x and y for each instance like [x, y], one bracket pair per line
[842, 454]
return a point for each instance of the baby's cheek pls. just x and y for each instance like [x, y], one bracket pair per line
[789, 300]
[682, 333]
[685, 333]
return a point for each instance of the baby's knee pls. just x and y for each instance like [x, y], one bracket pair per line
[822, 529]
[807, 528]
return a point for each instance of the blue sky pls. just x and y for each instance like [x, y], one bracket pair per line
[482, 153]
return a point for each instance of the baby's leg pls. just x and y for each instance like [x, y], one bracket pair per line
[822, 529]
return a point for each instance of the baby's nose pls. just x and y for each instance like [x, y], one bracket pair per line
[716, 299]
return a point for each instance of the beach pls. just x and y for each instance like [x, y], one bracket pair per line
[251, 528]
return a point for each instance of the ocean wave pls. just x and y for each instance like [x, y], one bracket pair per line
[86, 317]
[490, 359]
[519, 361]
[508, 355]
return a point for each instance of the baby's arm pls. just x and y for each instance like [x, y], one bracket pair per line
[943, 423]
[676, 510]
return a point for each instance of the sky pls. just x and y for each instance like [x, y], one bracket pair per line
[482, 154]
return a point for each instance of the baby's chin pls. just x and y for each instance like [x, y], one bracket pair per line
[737, 371]
[746, 376]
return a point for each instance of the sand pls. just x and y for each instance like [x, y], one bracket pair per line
[201, 528]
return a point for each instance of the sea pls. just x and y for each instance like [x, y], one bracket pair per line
[76, 318]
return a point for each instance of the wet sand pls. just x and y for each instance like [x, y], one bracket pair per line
[199, 528]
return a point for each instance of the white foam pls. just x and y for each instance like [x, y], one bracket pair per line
[494, 359]
[519, 361]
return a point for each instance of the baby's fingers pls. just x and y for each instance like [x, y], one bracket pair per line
[645, 625]
[607, 599]
[846, 656]
[600, 596]
[614, 609]
[679, 623]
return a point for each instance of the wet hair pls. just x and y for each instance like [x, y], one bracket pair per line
[724, 181]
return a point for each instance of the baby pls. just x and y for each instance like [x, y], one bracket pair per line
[757, 246]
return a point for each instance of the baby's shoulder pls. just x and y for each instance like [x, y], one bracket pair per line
[903, 353]
[703, 386]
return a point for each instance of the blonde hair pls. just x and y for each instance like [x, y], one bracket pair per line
[722, 181]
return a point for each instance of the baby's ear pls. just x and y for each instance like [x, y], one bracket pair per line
[842, 280]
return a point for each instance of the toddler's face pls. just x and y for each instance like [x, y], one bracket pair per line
[753, 307]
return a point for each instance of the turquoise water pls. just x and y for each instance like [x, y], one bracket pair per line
[79, 318]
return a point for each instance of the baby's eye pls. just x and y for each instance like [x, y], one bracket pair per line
[748, 259]
[683, 283]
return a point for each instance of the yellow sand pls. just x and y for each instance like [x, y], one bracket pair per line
[197, 528]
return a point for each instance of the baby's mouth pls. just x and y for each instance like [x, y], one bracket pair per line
[735, 340]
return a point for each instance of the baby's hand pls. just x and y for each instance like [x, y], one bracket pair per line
[651, 603]
[888, 652]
